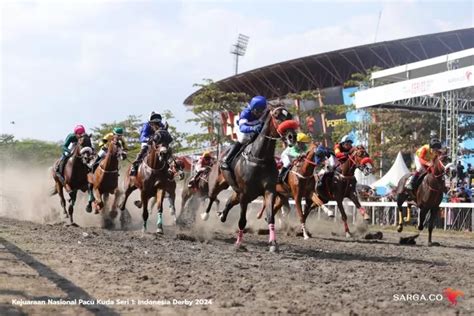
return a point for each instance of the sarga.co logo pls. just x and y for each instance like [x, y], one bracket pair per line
[452, 295]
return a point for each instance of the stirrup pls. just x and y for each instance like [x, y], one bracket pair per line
[225, 166]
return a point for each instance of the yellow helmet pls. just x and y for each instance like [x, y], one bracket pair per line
[206, 154]
[303, 138]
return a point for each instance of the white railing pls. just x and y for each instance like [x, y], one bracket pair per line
[462, 213]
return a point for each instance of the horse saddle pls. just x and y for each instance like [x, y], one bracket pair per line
[418, 181]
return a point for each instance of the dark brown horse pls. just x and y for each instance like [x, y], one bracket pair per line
[254, 172]
[105, 181]
[427, 196]
[343, 183]
[299, 184]
[75, 176]
[151, 178]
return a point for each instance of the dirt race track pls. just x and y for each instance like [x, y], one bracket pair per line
[42, 260]
[324, 275]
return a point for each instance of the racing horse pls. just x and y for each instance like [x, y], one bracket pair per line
[254, 172]
[200, 189]
[299, 184]
[75, 176]
[427, 195]
[151, 178]
[340, 184]
[104, 181]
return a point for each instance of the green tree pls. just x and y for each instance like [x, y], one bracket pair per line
[29, 151]
[207, 106]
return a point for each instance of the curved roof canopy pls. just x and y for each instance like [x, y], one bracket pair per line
[334, 68]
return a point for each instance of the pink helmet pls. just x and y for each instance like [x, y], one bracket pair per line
[79, 130]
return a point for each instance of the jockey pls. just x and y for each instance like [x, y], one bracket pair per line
[205, 161]
[148, 129]
[117, 132]
[343, 149]
[71, 141]
[424, 155]
[249, 125]
[293, 152]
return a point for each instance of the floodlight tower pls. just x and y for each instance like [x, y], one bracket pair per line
[238, 49]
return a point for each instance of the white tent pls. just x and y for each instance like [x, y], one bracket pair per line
[396, 172]
[361, 179]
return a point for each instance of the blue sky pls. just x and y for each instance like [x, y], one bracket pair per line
[89, 62]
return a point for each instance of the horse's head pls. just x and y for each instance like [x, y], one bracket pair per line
[115, 148]
[161, 140]
[282, 125]
[441, 163]
[85, 148]
[177, 167]
[361, 158]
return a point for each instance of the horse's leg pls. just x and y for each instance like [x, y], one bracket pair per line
[72, 195]
[401, 213]
[307, 210]
[233, 200]
[299, 212]
[242, 221]
[59, 188]
[344, 218]
[160, 196]
[353, 197]
[222, 185]
[99, 203]
[144, 200]
[269, 205]
[433, 217]
[90, 194]
[129, 191]
[423, 213]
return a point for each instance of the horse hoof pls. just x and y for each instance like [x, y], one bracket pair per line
[113, 214]
[72, 225]
[434, 244]
[138, 204]
[306, 237]
[159, 231]
[420, 227]
[348, 235]
[240, 248]
[400, 228]
[222, 217]
[274, 247]
[205, 216]
[89, 208]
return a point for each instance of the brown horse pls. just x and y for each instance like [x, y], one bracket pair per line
[343, 183]
[427, 196]
[254, 172]
[151, 178]
[299, 184]
[75, 176]
[105, 181]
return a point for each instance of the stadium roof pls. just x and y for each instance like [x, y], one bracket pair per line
[334, 68]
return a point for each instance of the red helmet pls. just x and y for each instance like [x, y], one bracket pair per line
[79, 130]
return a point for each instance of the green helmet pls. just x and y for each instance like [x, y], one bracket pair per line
[118, 130]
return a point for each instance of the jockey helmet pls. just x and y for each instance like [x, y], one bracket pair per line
[206, 154]
[435, 144]
[79, 130]
[303, 138]
[154, 118]
[118, 131]
[258, 103]
[347, 139]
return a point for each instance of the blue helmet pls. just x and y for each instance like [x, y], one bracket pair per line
[258, 103]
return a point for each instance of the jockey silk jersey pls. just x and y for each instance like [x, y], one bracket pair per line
[108, 137]
[247, 120]
[425, 154]
[147, 131]
[69, 143]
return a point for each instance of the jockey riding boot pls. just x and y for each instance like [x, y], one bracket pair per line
[60, 170]
[413, 181]
[230, 156]
[282, 174]
[192, 182]
[138, 160]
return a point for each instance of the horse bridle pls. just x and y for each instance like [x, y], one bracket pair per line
[275, 124]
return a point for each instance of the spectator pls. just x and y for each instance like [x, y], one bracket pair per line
[460, 170]
[470, 174]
